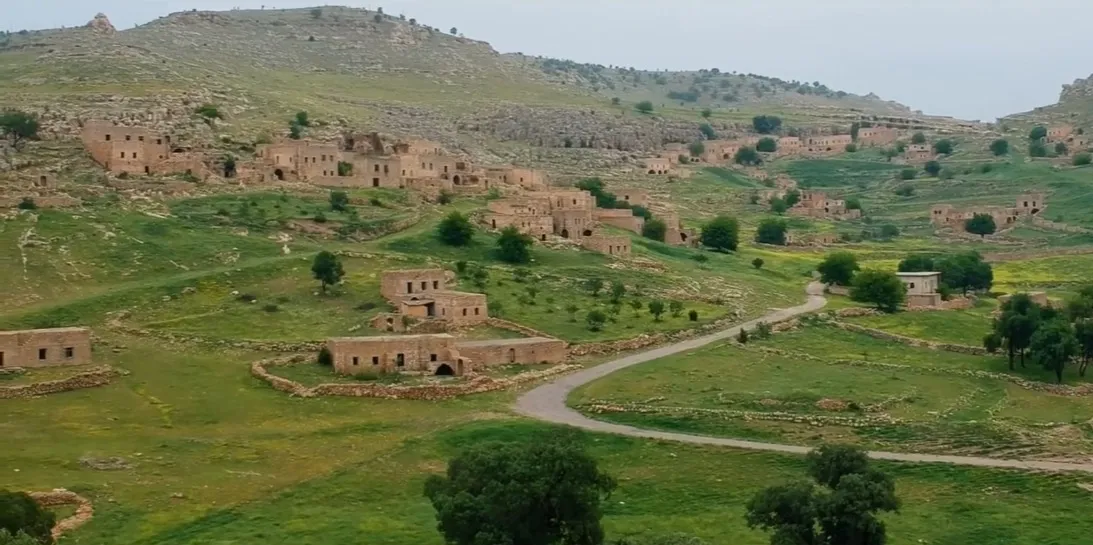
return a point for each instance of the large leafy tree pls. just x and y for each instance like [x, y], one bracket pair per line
[1053, 346]
[880, 288]
[536, 493]
[840, 509]
[20, 513]
[838, 268]
[327, 269]
[721, 233]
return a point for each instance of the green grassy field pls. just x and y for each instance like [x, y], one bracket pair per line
[891, 396]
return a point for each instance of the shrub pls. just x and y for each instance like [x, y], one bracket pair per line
[325, 358]
[1082, 159]
[693, 315]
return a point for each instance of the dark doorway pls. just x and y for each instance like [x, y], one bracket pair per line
[445, 370]
[280, 174]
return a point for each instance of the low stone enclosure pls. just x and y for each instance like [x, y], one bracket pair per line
[91, 378]
[424, 392]
[60, 496]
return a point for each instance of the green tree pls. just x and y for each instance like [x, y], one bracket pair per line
[455, 230]
[906, 174]
[327, 269]
[644, 107]
[654, 229]
[722, 234]
[618, 289]
[944, 146]
[1037, 134]
[302, 119]
[656, 308]
[546, 492]
[1000, 147]
[696, 149]
[1037, 149]
[594, 286]
[880, 288]
[339, 201]
[707, 131]
[932, 168]
[676, 308]
[757, 263]
[766, 124]
[20, 513]
[918, 138]
[980, 224]
[766, 145]
[18, 127]
[747, 155]
[1053, 346]
[1082, 159]
[771, 231]
[514, 246]
[595, 319]
[842, 510]
[838, 268]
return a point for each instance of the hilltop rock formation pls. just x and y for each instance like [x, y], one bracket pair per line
[101, 24]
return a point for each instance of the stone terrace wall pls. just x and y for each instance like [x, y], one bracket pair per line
[99, 376]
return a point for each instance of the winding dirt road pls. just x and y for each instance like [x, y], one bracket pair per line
[548, 403]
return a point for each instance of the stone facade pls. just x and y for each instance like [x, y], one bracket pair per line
[45, 347]
[1026, 205]
[423, 294]
[816, 204]
[513, 351]
[921, 289]
[426, 354]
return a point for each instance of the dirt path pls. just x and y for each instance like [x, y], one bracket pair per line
[548, 403]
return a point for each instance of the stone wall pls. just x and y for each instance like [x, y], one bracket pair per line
[426, 392]
[60, 496]
[99, 376]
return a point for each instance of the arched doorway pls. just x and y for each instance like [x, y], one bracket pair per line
[280, 174]
[445, 370]
[565, 233]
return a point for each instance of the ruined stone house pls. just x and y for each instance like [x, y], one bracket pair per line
[921, 289]
[45, 347]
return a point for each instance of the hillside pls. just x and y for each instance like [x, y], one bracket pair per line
[353, 68]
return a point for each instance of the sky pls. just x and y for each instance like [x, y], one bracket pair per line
[972, 59]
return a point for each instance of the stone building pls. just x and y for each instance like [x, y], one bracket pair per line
[826, 144]
[921, 289]
[816, 204]
[918, 153]
[426, 354]
[877, 136]
[45, 347]
[423, 294]
[1026, 205]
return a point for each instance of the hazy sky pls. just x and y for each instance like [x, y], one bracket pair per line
[975, 59]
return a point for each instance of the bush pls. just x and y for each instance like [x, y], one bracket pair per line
[766, 145]
[1082, 159]
[907, 174]
[644, 107]
[722, 234]
[693, 315]
[1000, 147]
[771, 231]
[455, 230]
[325, 358]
